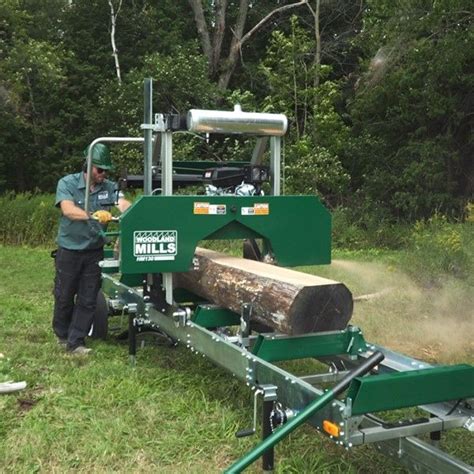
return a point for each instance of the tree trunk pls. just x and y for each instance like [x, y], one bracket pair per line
[113, 22]
[288, 301]
[219, 67]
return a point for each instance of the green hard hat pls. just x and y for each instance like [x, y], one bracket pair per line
[100, 156]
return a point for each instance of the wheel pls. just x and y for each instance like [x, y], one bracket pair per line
[100, 323]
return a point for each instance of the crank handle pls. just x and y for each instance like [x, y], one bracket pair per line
[251, 431]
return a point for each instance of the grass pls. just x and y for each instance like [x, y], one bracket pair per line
[175, 412]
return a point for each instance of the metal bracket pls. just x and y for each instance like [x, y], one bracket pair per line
[269, 392]
[347, 412]
[244, 331]
[181, 316]
[469, 425]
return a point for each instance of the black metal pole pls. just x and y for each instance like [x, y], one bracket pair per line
[435, 436]
[132, 338]
[268, 458]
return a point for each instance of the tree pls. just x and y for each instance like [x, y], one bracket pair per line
[223, 60]
[413, 108]
[317, 134]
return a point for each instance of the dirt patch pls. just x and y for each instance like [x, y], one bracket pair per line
[26, 404]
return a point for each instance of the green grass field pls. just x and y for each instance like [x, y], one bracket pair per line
[176, 412]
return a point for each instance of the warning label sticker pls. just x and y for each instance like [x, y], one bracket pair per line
[155, 245]
[209, 209]
[258, 209]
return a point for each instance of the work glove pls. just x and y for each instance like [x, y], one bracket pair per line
[104, 217]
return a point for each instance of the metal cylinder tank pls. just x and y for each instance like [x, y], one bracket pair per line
[238, 122]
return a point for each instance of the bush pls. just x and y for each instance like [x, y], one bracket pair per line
[440, 249]
[354, 230]
[28, 219]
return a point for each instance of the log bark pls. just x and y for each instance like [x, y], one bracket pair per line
[288, 301]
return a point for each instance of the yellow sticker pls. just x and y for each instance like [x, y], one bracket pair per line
[258, 209]
[261, 209]
[201, 208]
[210, 209]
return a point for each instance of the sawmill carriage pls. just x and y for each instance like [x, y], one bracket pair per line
[245, 314]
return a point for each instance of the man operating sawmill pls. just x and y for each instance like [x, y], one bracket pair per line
[80, 248]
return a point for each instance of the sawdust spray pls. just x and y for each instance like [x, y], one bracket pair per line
[433, 324]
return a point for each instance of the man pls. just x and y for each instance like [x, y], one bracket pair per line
[80, 248]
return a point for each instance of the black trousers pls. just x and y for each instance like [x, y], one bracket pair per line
[76, 286]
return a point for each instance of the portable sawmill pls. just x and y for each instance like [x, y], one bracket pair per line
[245, 314]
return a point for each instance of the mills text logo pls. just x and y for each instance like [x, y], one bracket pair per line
[155, 245]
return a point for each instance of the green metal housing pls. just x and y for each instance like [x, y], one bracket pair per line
[411, 388]
[160, 233]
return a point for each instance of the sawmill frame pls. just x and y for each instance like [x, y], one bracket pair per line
[443, 393]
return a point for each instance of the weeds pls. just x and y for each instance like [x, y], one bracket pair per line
[28, 219]
[439, 249]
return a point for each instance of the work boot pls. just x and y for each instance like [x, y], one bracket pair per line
[62, 342]
[81, 350]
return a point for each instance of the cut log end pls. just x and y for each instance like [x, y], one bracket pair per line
[321, 308]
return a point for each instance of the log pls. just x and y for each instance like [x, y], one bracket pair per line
[288, 301]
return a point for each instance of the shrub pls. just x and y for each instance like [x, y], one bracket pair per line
[439, 249]
[354, 230]
[28, 219]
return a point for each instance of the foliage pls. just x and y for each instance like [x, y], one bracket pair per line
[412, 107]
[28, 219]
[317, 133]
[379, 109]
[121, 108]
[439, 249]
[314, 171]
[363, 230]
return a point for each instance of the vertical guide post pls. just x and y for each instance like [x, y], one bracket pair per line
[166, 163]
[275, 164]
[132, 338]
[167, 190]
[148, 144]
[148, 132]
